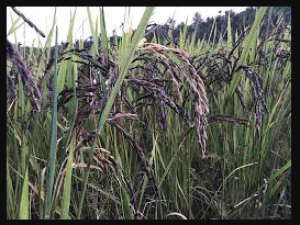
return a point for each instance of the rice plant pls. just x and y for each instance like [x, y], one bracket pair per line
[144, 129]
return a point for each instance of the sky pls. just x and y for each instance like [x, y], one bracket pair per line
[42, 17]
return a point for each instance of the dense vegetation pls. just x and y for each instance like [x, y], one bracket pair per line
[195, 123]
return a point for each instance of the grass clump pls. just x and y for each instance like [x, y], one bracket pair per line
[149, 130]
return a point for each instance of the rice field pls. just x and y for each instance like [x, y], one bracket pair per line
[149, 130]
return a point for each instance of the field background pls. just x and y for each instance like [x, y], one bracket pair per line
[163, 122]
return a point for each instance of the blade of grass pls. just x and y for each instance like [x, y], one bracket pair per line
[53, 139]
[104, 39]
[281, 170]
[94, 34]
[9, 191]
[24, 203]
[65, 65]
[183, 36]
[14, 27]
[229, 32]
[67, 183]
[248, 44]
[125, 204]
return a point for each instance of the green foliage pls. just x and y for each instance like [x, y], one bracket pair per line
[121, 129]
